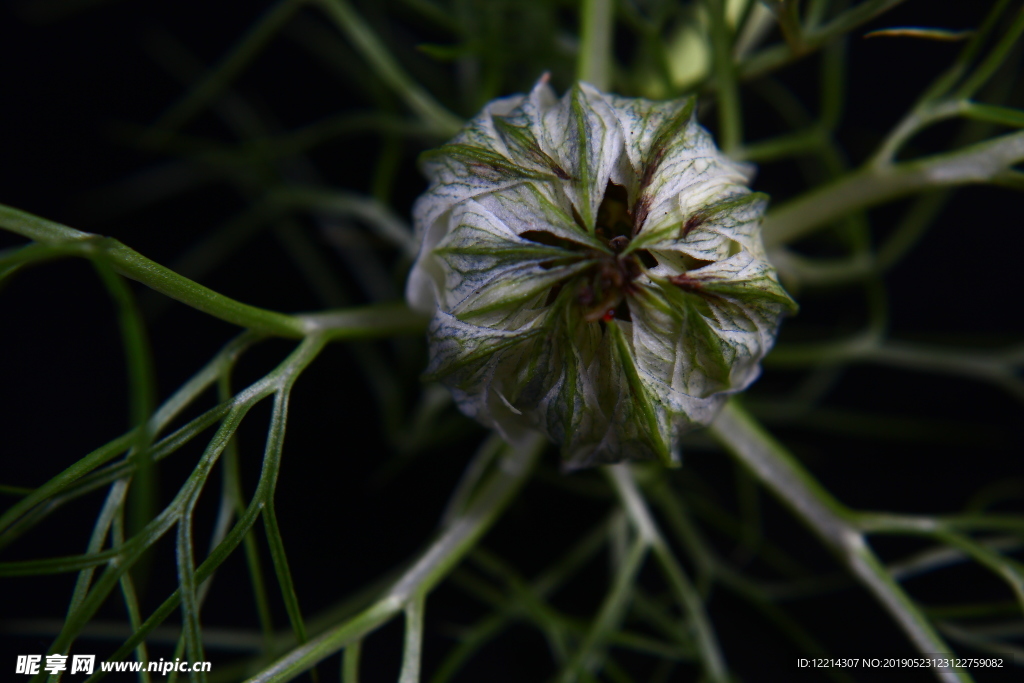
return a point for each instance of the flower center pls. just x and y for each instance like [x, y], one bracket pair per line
[601, 291]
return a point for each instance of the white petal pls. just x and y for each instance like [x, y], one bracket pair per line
[582, 133]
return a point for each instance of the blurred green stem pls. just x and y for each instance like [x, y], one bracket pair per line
[380, 59]
[779, 471]
[787, 13]
[244, 51]
[594, 64]
[458, 538]
[625, 486]
[874, 184]
[730, 133]
[776, 56]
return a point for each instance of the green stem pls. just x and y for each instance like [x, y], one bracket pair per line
[106, 518]
[995, 59]
[282, 376]
[411, 653]
[141, 396]
[998, 367]
[433, 565]
[365, 322]
[131, 600]
[912, 123]
[787, 13]
[370, 321]
[608, 620]
[776, 56]
[243, 53]
[188, 587]
[526, 598]
[874, 184]
[779, 471]
[232, 483]
[442, 121]
[729, 114]
[378, 216]
[350, 662]
[622, 479]
[134, 265]
[594, 64]
[90, 462]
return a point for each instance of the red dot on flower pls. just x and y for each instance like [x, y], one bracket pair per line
[608, 315]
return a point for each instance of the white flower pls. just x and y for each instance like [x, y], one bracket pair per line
[595, 271]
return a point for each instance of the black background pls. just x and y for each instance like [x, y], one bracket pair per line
[69, 90]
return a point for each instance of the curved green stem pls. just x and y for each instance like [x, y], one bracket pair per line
[134, 265]
[370, 321]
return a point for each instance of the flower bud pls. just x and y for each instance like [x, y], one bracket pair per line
[595, 271]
